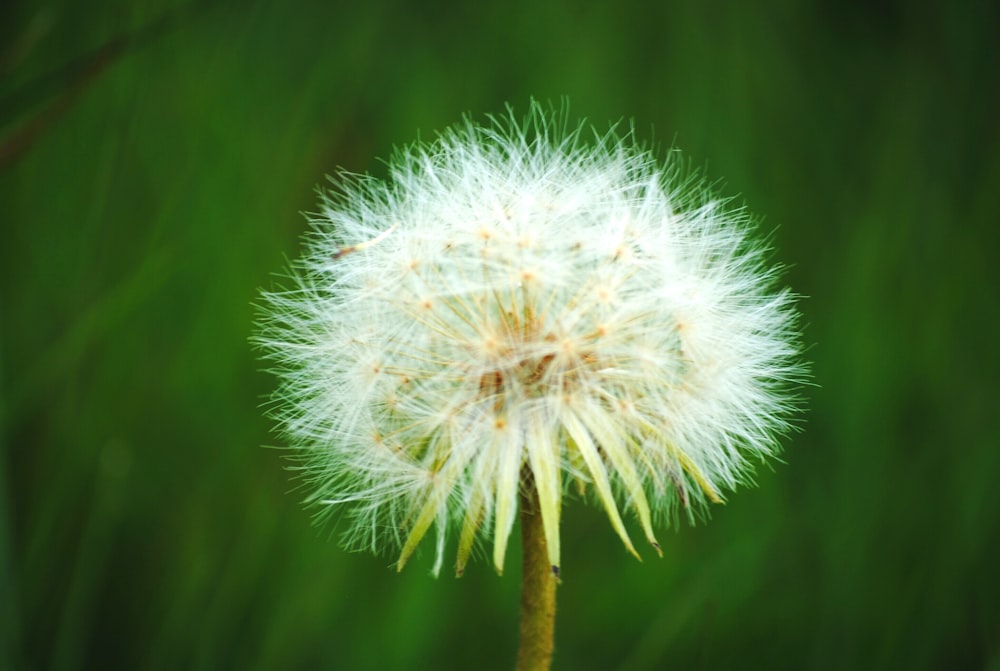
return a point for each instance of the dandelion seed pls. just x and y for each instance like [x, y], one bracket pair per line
[519, 307]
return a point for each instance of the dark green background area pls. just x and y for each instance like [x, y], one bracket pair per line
[154, 162]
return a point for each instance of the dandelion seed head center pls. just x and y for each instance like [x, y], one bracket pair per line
[529, 362]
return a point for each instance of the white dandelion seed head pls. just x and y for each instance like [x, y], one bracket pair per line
[518, 307]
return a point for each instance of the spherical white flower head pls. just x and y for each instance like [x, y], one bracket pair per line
[518, 308]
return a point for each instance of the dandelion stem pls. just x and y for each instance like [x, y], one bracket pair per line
[538, 587]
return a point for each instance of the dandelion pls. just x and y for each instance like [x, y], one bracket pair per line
[519, 315]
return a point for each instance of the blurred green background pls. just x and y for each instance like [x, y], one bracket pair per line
[154, 159]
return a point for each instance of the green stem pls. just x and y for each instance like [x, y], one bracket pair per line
[538, 588]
